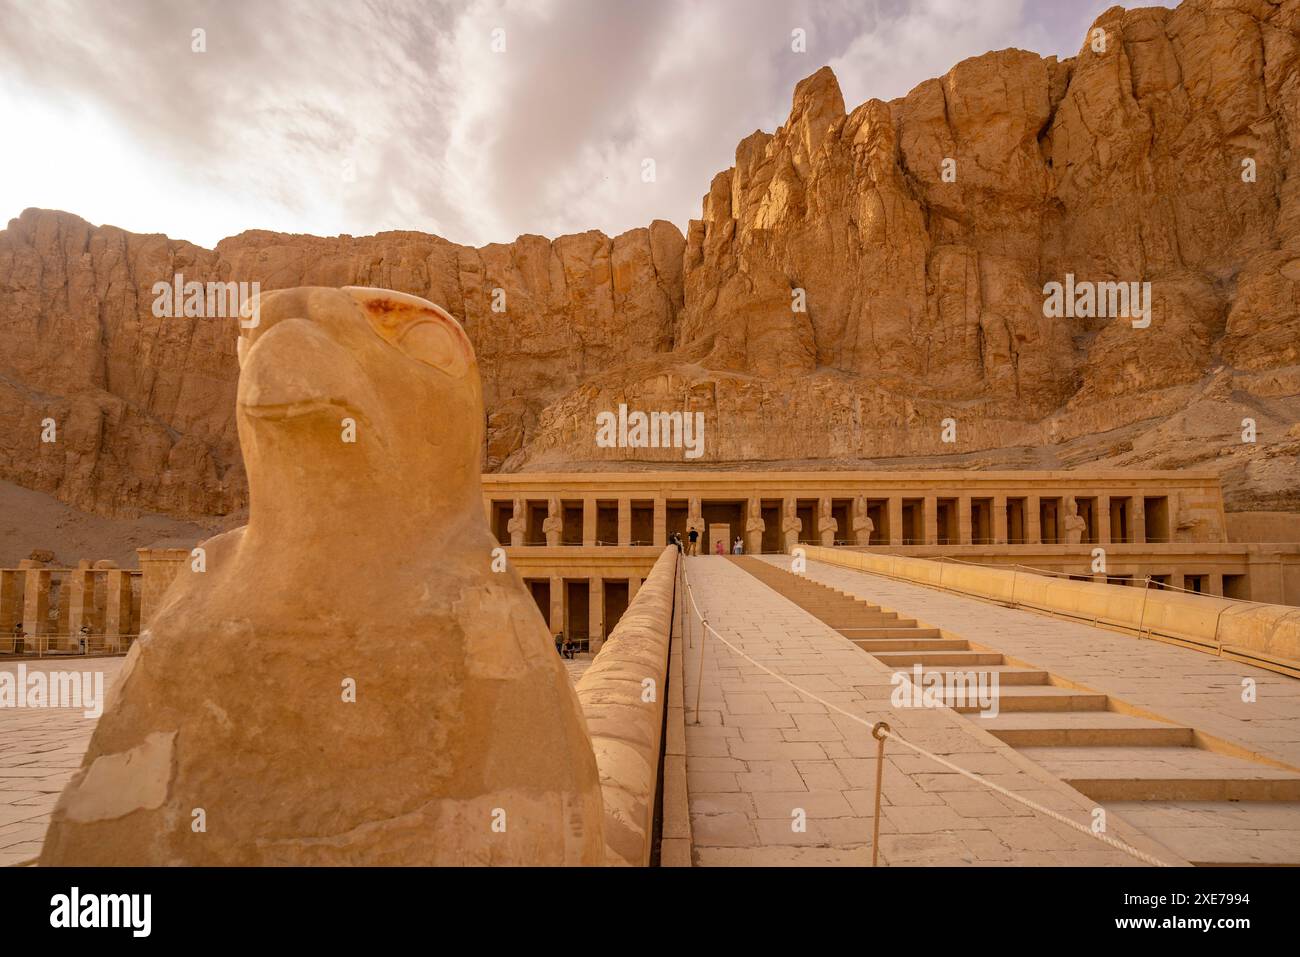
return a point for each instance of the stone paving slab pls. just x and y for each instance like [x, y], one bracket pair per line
[1243, 832]
[759, 751]
[1178, 684]
[40, 749]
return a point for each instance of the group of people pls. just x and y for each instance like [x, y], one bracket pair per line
[692, 545]
[20, 638]
[566, 647]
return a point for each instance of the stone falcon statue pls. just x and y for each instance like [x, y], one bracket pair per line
[348, 681]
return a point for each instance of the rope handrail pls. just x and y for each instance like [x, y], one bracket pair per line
[881, 731]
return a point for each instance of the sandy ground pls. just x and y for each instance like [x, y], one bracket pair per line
[33, 520]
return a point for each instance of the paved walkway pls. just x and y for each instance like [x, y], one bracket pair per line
[776, 778]
[40, 748]
[577, 666]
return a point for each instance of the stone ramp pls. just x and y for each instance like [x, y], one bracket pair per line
[760, 753]
[1096, 743]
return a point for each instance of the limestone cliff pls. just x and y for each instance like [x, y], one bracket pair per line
[1165, 154]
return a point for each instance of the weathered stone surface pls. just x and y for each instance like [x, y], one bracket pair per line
[924, 296]
[316, 712]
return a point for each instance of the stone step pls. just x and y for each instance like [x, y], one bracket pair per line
[1026, 729]
[845, 621]
[911, 644]
[1007, 674]
[1220, 833]
[1165, 774]
[842, 614]
[843, 603]
[888, 632]
[1043, 698]
[932, 658]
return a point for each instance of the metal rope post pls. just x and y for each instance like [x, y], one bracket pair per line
[880, 731]
[1146, 586]
[699, 677]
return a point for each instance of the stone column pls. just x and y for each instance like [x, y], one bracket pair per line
[80, 597]
[930, 520]
[633, 586]
[625, 521]
[36, 602]
[1216, 583]
[517, 530]
[596, 612]
[117, 605]
[999, 528]
[826, 537]
[1102, 519]
[589, 522]
[661, 522]
[964, 535]
[895, 520]
[101, 592]
[753, 540]
[1033, 529]
[854, 516]
[557, 605]
[158, 568]
[1139, 529]
[790, 506]
[12, 592]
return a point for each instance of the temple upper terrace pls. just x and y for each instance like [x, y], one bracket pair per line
[900, 508]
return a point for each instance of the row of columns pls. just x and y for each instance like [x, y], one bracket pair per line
[553, 527]
[595, 606]
[97, 596]
[827, 531]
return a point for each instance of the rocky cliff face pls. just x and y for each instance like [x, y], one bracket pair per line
[854, 280]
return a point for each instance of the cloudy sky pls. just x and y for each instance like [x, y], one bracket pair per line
[478, 120]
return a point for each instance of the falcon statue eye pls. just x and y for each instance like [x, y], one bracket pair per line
[421, 330]
[434, 344]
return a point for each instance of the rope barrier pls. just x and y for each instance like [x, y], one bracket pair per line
[881, 731]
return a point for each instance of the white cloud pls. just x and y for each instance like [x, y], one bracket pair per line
[114, 118]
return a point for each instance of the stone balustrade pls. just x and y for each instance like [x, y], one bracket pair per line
[623, 696]
[1262, 634]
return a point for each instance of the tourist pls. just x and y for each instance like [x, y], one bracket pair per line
[19, 634]
[717, 548]
[738, 546]
[676, 540]
[693, 537]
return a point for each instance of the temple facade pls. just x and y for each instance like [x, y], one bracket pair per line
[584, 541]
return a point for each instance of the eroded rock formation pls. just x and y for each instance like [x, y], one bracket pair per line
[1167, 156]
